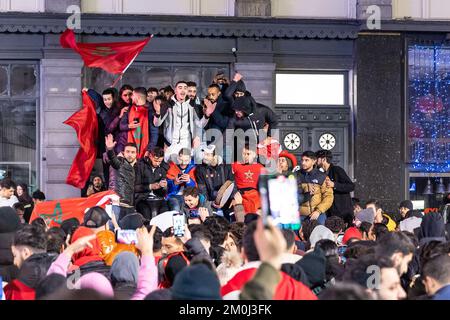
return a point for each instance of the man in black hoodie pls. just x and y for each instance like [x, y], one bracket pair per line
[29, 249]
[256, 120]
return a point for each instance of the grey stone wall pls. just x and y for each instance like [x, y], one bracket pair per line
[259, 80]
[60, 98]
[60, 6]
[253, 8]
[385, 6]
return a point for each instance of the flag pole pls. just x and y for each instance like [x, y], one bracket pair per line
[121, 74]
[124, 70]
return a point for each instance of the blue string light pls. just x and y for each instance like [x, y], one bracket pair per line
[429, 108]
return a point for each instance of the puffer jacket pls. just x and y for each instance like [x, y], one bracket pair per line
[125, 176]
[320, 201]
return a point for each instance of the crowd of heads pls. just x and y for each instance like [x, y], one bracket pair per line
[343, 247]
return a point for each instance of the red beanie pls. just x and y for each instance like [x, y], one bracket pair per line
[350, 233]
[290, 156]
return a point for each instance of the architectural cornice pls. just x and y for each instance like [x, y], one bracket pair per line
[185, 26]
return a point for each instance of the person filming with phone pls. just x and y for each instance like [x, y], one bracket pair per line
[180, 176]
[151, 184]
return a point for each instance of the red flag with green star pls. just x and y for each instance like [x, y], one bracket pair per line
[56, 211]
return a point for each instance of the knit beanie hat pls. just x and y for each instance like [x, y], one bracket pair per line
[240, 86]
[196, 282]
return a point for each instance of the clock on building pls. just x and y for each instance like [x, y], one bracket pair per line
[292, 141]
[327, 141]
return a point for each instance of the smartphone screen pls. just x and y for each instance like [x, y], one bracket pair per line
[126, 236]
[178, 224]
[280, 200]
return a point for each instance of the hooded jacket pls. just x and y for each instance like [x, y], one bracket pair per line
[322, 200]
[431, 228]
[124, 275]
[169, 115]
[31, 272]
[255, 117]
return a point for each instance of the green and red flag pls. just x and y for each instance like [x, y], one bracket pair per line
[56, 211]
[113, 57]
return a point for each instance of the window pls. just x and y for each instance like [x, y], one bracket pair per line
[310, 89]
[18, 122]
[155, 75]
[429, 108]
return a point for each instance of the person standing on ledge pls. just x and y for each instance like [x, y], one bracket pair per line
[342, 185]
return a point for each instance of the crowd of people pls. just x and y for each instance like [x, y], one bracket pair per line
[157, 153]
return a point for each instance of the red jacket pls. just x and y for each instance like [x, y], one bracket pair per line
[16, 290]
[287, 289]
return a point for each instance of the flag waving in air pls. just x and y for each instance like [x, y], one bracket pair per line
[85, 124]
[56, 211]
[113, 57]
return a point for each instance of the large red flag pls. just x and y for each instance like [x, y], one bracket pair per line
[85, 124]
[56, 211]
[114, 57]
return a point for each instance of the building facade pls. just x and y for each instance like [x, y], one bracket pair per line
[333, 80]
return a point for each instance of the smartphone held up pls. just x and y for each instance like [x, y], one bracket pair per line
[279, 200]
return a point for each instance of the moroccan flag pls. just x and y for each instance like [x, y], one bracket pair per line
[113, 57]
[56, 211]
[140, 135]
[85, 124]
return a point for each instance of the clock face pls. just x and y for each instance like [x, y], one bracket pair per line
[292, 141]
[327, 141]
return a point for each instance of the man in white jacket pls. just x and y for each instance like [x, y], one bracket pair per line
[181, 119]
[7, 197]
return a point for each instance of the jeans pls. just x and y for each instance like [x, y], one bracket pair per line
[151, 208]
[120, 212]
[320, 220]
[175, 203]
